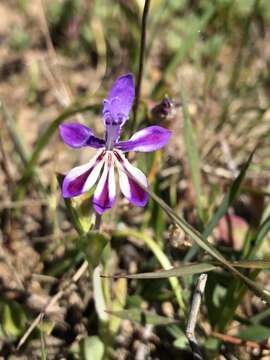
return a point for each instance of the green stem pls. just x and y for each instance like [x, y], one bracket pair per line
[141, 64]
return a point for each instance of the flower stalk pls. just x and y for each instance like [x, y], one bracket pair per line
[141, 63]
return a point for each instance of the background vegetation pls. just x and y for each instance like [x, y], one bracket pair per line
[210, 60]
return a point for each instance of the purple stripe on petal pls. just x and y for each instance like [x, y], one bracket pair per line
[105, 194]
[138, 196]
[102, 204]
[129, 187]
[146, 140]
[74, 134]
[75, 186]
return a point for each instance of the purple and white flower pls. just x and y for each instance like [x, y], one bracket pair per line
[110, 152]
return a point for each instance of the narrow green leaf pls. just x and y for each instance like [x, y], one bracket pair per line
[99, 298]
[192, 153]
[258, 318]
[44, 351]
[224, 206]
[260, 236]
[255, 333]
[252, 264]
[205, 245]
[142, 317]
[161, 257]
[236, 290]
[228, 198]
[120, 289]
[184, 270]
[192, 269]
[19, 145]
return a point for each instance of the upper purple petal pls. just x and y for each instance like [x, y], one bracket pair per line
[146, 140]
[77, 135]
[120, 98]
[117, 106]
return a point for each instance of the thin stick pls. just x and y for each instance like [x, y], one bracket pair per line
[141, 63]
[193, 315]
[75, 278]
[236, 341]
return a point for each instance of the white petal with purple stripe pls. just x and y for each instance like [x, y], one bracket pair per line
[81, 178]
[105, 193]
[129, 187]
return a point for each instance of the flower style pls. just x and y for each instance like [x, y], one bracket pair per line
[110, 152]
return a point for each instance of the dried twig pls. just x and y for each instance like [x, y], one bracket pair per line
[235, 340]
[193, 315]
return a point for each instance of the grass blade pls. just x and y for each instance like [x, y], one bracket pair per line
[205, 245]
[20, 147]
[224, 206]
[229, 198]
[252, 264]
[192, 154]
[142, 317]
[161, 257]
[192, 269]
[184, 270]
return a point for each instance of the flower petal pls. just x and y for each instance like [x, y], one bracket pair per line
[74, 134]
[121, 96]
[77, 135]
[105, 193]
[146, 140]
[81, 178]
[129, 187]
[117, 107]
